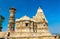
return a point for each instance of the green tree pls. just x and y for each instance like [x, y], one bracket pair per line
[1, 21]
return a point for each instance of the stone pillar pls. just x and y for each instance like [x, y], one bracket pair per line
[35, 27]
[11, 23]
[31, 25]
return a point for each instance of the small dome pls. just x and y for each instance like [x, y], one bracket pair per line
[23, 18]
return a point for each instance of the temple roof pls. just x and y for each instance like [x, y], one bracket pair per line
[40, 15]
[23, 18]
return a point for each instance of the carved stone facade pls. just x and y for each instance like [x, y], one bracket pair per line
[29, 28]
[33, 28]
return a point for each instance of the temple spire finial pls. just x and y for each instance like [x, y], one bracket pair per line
[40, 14]
[39, 9]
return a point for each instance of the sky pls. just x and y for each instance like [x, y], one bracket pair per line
[51, 10]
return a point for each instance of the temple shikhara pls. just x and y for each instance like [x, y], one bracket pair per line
[26, 27]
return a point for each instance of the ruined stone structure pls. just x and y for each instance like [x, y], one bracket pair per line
[11, 23]
[28, 28]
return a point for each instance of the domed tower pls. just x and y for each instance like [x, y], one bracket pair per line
[11, 23]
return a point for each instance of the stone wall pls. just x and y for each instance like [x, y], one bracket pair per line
[43, 37]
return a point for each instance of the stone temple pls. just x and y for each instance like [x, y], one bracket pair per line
[27, 28]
